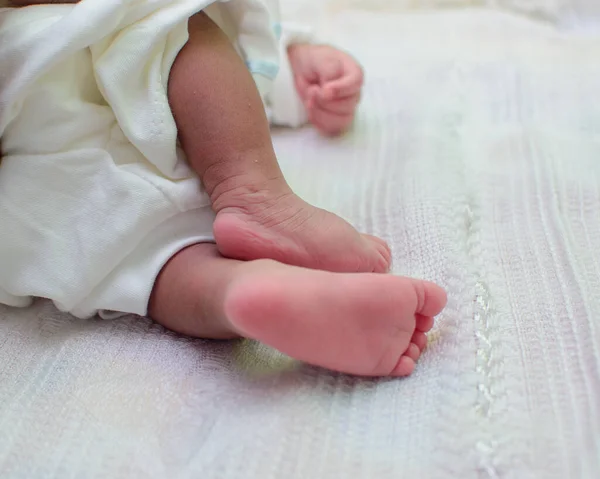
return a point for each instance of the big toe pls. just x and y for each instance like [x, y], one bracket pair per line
[382, 254]
[431, 298]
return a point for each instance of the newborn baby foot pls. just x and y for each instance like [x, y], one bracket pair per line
[367, 324]
[274, 223]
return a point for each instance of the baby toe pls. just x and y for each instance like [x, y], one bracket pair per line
[419, 339]
[424, 323]
[405, 367]
[413, 352]
[382, 254]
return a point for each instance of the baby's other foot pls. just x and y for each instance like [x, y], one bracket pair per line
[274, 223]
[365, 324]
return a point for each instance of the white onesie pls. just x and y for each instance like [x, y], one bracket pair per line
[95, 193]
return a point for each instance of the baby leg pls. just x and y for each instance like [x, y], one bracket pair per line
[225, 134]
[363, 324]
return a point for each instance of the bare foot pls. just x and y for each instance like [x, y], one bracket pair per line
[363, 324]
[367, 324]
[260, 224]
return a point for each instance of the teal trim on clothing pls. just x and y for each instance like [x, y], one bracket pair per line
[264, 68]
[278, 30]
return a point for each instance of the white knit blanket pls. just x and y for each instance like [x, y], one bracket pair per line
[477, 155]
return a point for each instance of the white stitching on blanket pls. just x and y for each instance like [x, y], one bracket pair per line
[486, 360]
[488, 367]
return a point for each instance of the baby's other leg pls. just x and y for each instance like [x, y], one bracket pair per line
[225, 134]
[363, 324]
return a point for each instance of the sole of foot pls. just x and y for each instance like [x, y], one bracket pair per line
[361, 324]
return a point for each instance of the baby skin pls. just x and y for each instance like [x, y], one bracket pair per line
[362, 324]
[225, 134]
[260, 280]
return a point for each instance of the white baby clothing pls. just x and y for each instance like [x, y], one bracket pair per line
[95, 194]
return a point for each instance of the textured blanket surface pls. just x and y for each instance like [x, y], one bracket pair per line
[477, 155]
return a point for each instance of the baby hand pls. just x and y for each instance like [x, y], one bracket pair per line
[329, 83]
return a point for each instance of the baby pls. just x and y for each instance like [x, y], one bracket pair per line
[122, 223]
